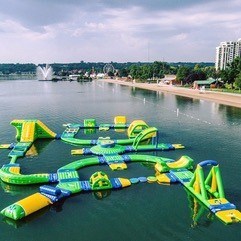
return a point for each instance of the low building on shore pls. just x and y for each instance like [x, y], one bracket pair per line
[168, 79]
[208, 83]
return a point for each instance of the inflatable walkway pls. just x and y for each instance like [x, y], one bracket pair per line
[69, 182]
[132, 130]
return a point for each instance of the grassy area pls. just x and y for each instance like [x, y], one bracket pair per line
[224, 90]
[235, 91]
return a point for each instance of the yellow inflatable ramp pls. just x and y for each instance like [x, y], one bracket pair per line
[183, 162]
[26, 206]
[45, 131]
[28, 130]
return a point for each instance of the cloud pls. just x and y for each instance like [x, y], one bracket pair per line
[127, 30]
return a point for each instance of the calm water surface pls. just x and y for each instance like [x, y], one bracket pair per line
[143, 211]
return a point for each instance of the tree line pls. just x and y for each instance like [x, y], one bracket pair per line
[230, 76]
[186, 73]
[140, 70]
[17, 68]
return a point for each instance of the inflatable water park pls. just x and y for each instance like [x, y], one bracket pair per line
[204, 182]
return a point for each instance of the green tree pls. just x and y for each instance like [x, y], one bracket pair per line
[182, 73]
[110, 74]
[211, 72]
[159, 69]
[237, 81]
[146, 72]
[134, 69]
[123, 72]
[156, 68]
[231, 72]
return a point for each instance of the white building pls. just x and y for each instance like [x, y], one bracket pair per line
[100, 76]
[74, 76]
[226, 52]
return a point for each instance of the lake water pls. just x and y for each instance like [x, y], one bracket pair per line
[143, 211]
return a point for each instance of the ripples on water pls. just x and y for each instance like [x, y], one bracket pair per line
[142, 211]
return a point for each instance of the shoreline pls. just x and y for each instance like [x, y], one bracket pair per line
[229, 99]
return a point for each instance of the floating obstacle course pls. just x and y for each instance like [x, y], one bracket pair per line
[115, 154]
[30, 130]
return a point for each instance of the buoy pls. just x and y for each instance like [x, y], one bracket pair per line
[134, 180]
[151, 179]
[142, 179]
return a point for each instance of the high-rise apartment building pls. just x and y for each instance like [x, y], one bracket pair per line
[226, 52]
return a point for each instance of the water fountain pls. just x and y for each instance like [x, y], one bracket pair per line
[44, 73]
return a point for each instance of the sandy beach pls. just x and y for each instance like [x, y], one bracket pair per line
[218, 97]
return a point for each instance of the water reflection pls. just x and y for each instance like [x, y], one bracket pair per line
[232, 115]
[55, 207]
[143, 93]
[25, 220]
[185, 102]
[15, 190]
[200, 215]
[101, 194]
[70, 102]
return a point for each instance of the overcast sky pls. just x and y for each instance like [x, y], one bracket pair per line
[61, 31]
